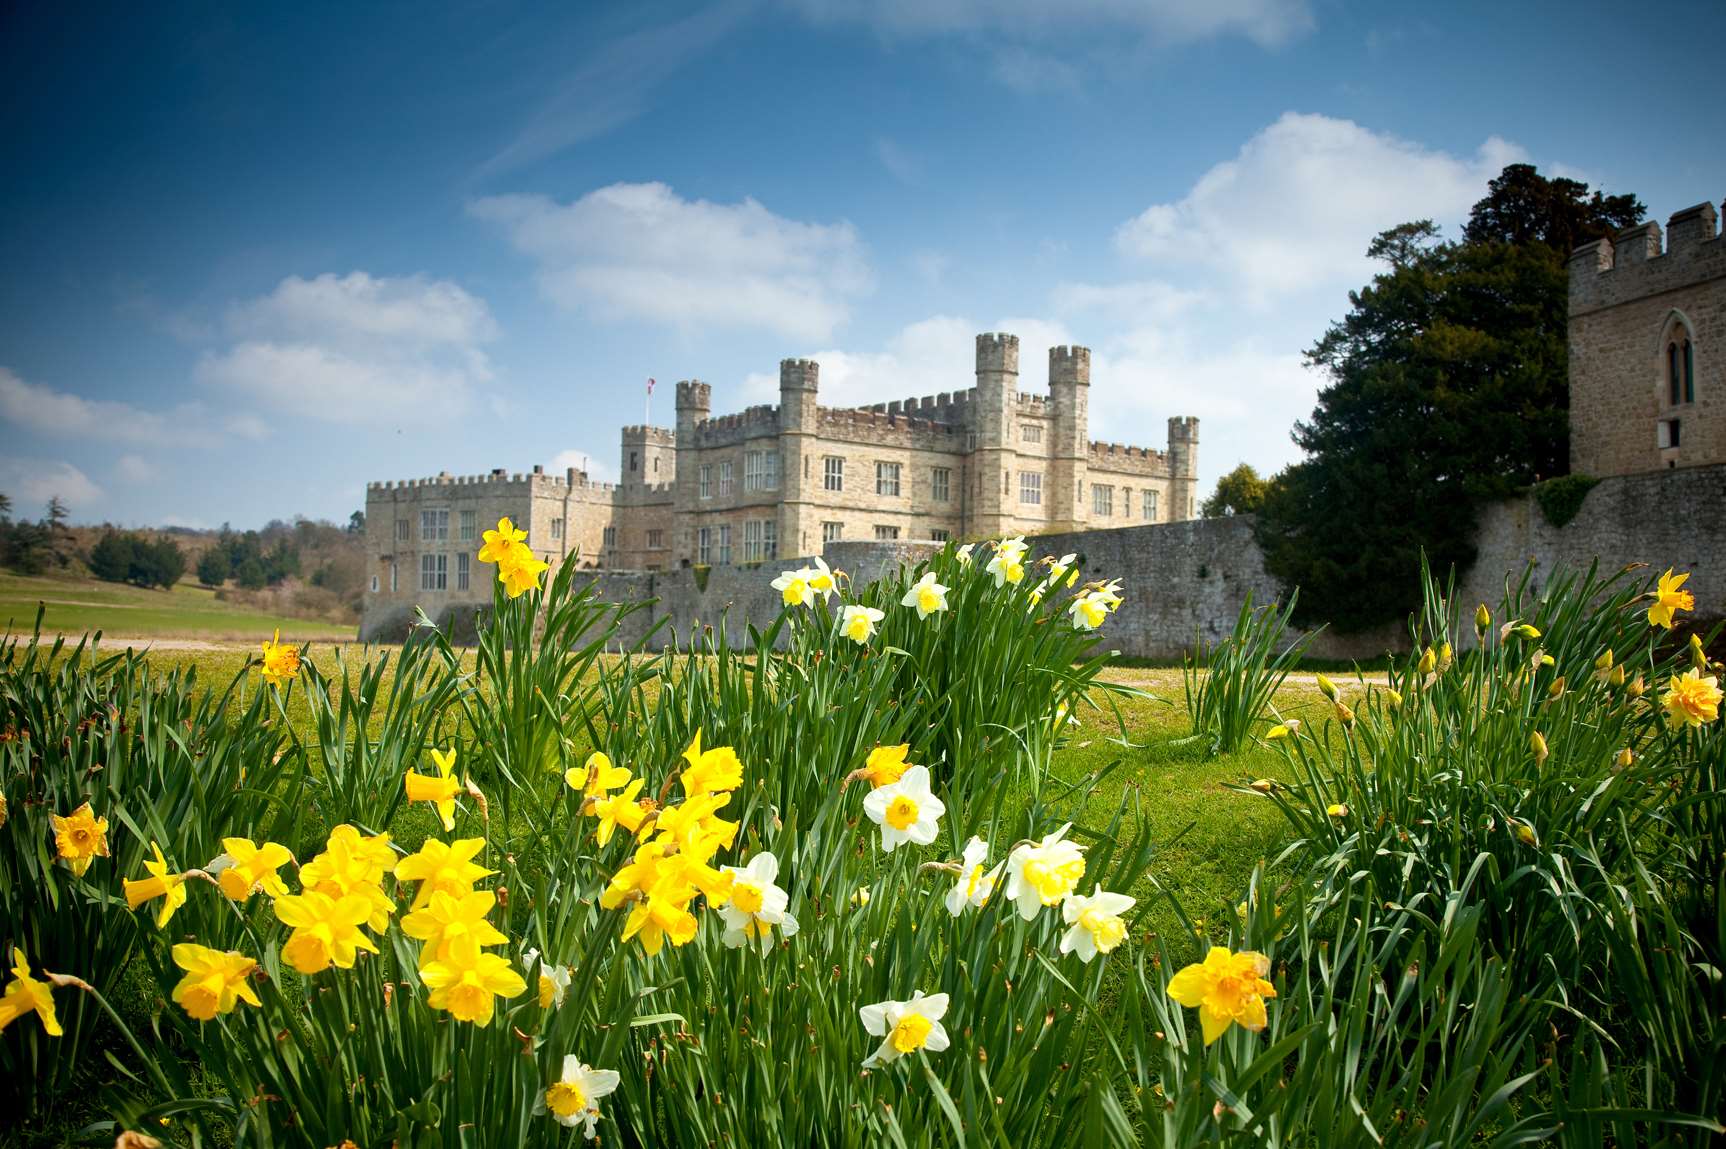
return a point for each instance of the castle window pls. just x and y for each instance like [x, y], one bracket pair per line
[434, 526]
[1689, 374]
[1031, 487]
[1672, 376]
[634, 460]
[1669, 432]
[609, 538]
[939, 535]
[706, 483]
[401, 530]
[761, 470]
[463, 575]
[885, 533]
[656, 539]
[656, 464]
[704, 546]
[725, 478]
[887, 479]
[1150, 507]
[941, 484]
[1102, 499]
[468, 526]
[557, 528]
[1031, 433]
[833, 473]
[394, 579]
[374, 584]
[769, 538]
[724, 544]
[832, 532]
[760, 540]
[434, 572]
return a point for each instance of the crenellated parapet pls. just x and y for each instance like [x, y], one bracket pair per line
[749, 423]
[889, 428]
[1123, 458]
[1635, 263]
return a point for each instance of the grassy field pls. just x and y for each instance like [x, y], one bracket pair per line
[186, 612]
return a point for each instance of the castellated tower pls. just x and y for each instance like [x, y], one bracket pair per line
[992, 461]
[648, 456]
[1070, 396]
[799, 424]
[694, 403]
[1183, 466]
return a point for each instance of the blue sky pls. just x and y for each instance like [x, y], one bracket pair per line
[252, 257]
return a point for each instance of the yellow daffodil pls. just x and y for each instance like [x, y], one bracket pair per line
[80, 838]
[597, 777]
[171, 888]
[1482, 618]
[906, 810]
[885, 764]
[1089, 610]
[1227, 989]
[1394, 697]
[1636, 687]
[24, 994]
[927, 595]
[439, 789]
[1043, 873]
[499, 543]
[215, 980]
[1625, 758]
[1337, 810]
[1326, 687]
[1095, 925]
[572, 1098]
[857, 623]
[446, 867]
[451, 918]
[1524, 833]
[620, 809]
[1007, 565]
[326, 930]
[710, 771]
[1669, 599]
[466, 981]
[1445, 657]
[519, 571]
[1428, 662]
[860, 897]
[1692, 699]
[352, 864]
[1698, 656]
[906, 1026]
[281, 661]
[975, 885]
[245, 868]
[1282, 730]
[663, 915]
[1537, 743]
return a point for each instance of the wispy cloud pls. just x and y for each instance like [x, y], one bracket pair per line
[48, 412]
[898, 162]
[32, 482]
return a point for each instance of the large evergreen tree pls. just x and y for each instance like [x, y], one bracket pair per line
[1447, 387]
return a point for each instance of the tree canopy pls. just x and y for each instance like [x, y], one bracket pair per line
[1240, 492]
[1447, 387]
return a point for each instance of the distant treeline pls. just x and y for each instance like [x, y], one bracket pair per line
[129, 556]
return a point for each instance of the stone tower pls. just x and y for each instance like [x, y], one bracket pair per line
[694, 402]
[799, 479]
[1070, 396]
[992, 461]
[1183, 466]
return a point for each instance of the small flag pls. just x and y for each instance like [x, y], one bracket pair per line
[650, 386]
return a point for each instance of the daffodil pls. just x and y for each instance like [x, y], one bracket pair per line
[572, 1098]
[443, 866]
[663, 915]
[906, 810]
[24, 994]
[1062, 568]
[927, 595]
[353, 864]
[1089, 610]
[710, 771]
[552, 981]
[439, 789]
[1524, 833]
[171, 888]
[243, 868]
[1282, 729]
[823, 581]
[1227, 989]
[620, 809]
[1008, 563]
[466, 981]
[905, 1027]
[215, 980]
[1669, 599]
[757, 905]
[1042, 873]
[974, 885]
[450, 919]
[1337, 810]
[1692, 699]
[499, 543]
[794, 588]
[1428, 662]
[963, 554]
[1326, 687]
[519, 571]
[326, 930]
[885, 764]
[281, 662]
[1482, 618]
[857, 623]
[1537, 743]
[1094, 924]
[80, 837]
[597, 777]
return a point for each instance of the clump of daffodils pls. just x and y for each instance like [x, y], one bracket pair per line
[517, 569]
[799, 587]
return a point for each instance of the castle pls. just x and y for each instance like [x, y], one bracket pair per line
[785, 481]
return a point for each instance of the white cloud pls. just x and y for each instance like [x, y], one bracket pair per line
[135, 469]
[931, 266]
[355, 349]
[1297, 207]
[1132, 302]
[32, 482]
[640, 251]
[597, 470]
[936, 354]
[43, 410]
[1266, 22]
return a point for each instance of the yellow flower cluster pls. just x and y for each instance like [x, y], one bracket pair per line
[281, 662]
[517, 569]
[673, 866]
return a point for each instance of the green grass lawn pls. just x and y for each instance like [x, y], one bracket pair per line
[185, 612]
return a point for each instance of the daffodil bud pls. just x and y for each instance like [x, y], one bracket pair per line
[1337, 810]
[1526, 631]
[1625, 758]
[1428, 662]
[1327, 687]
[1604, 662]
[1616, 677]
[1698, 656]
[1444, 657]
[1482, 618]
[1637, 686]
[1537, 742]
[1395, 697]
[1556, 690]
[1526, 835]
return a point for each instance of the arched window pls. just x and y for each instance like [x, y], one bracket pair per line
[1689, 374]
[1672, 377]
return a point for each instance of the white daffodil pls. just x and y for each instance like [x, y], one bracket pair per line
[553, 979]
[573, 1098]
[1062, 568]
[1095, 925]
[1008, 562]
[905, 1027]
[820, 579]
[927, 595]
[756, 905]
[795, 588]
[1088, 611]
[857, 623]
[905, 810]
[963, 554]
[1042, 873]
[974, 886]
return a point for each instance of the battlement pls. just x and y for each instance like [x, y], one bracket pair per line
[693, 394]
[445, 484]
[641, 433]
[1033, 404]
[947, 407]
[1184, 429]
[799, 374]
[1069, 365]
[998, 351]
[1633, 263]
[890, 424]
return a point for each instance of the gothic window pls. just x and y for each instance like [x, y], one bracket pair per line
[1677, 384]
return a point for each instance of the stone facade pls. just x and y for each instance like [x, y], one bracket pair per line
[986, 461]
[1647, 339]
